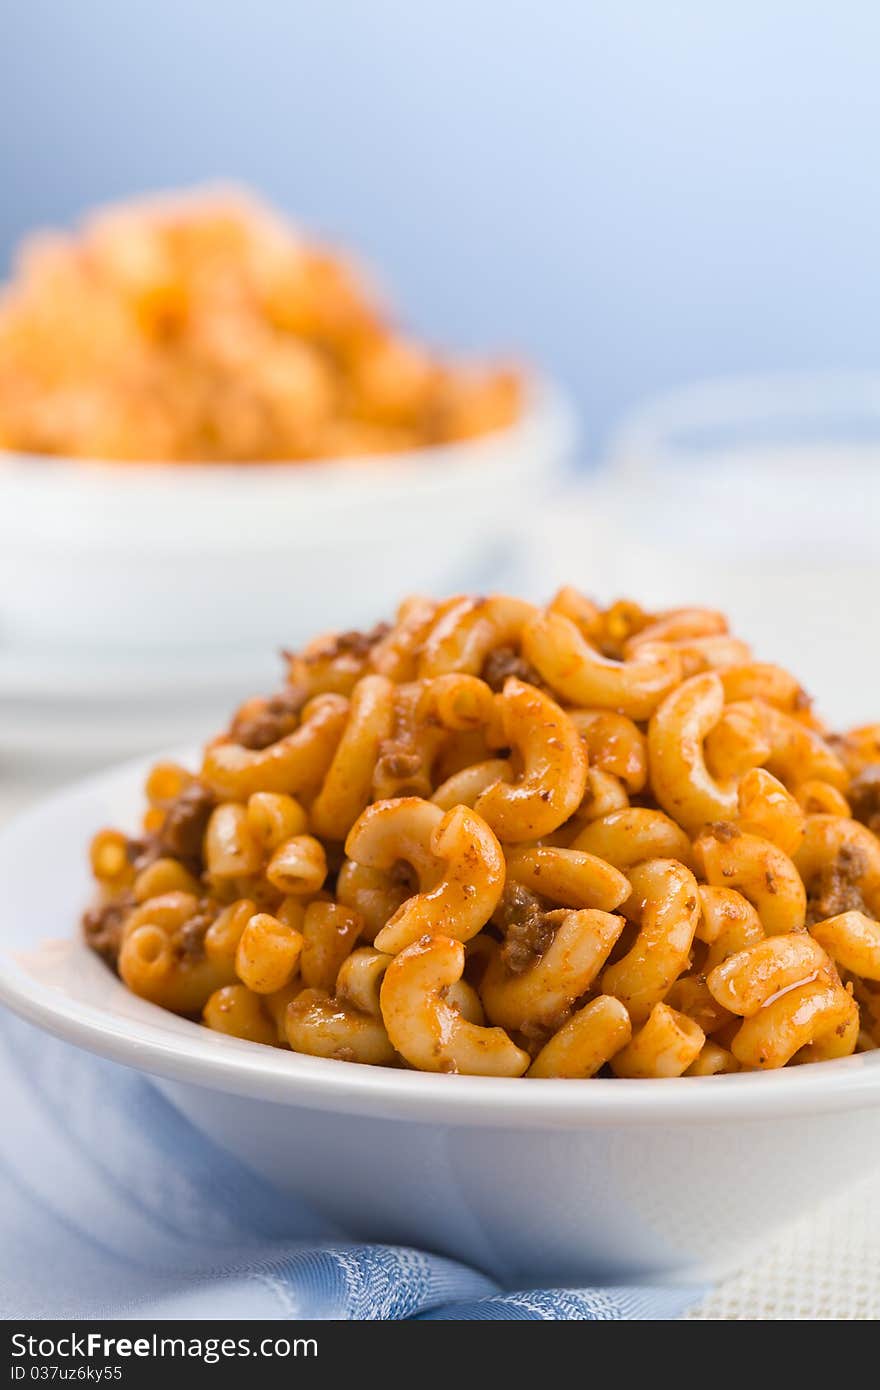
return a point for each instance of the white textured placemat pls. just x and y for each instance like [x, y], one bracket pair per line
[827, 1266]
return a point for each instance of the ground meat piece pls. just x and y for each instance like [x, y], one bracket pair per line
[400, 771]
[504, 662]
[278, 717]
[724, 831]
[532, 1036]
[527, 933]
[145, 852]
[190, 940]
[351, 643]
[102, 927]
[864, 797]
[404, 877]
[399, 765]
[142, 852]
[184, 827]
[134, 850]
[836, 888]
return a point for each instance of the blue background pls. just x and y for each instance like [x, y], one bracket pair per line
[635, 193]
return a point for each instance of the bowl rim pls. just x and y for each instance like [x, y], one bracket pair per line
[548, 409]
[163, 1045]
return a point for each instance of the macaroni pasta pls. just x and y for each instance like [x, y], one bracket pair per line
[501, 840]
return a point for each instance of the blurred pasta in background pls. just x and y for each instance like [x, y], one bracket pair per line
[204, 327]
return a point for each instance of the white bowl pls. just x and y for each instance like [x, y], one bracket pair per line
[153, 556]
[553, 1181]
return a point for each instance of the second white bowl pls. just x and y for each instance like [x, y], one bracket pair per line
[154, 556]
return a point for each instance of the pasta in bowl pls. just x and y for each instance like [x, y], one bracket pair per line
[454, 900]
[492, 839]
[202, 405]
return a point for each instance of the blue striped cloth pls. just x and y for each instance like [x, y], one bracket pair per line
[112, 1206]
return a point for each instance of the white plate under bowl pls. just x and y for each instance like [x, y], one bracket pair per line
[85, 707]
[557, 1181]
[167, 556]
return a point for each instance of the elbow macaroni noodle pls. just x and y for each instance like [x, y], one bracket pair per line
[501, 840]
